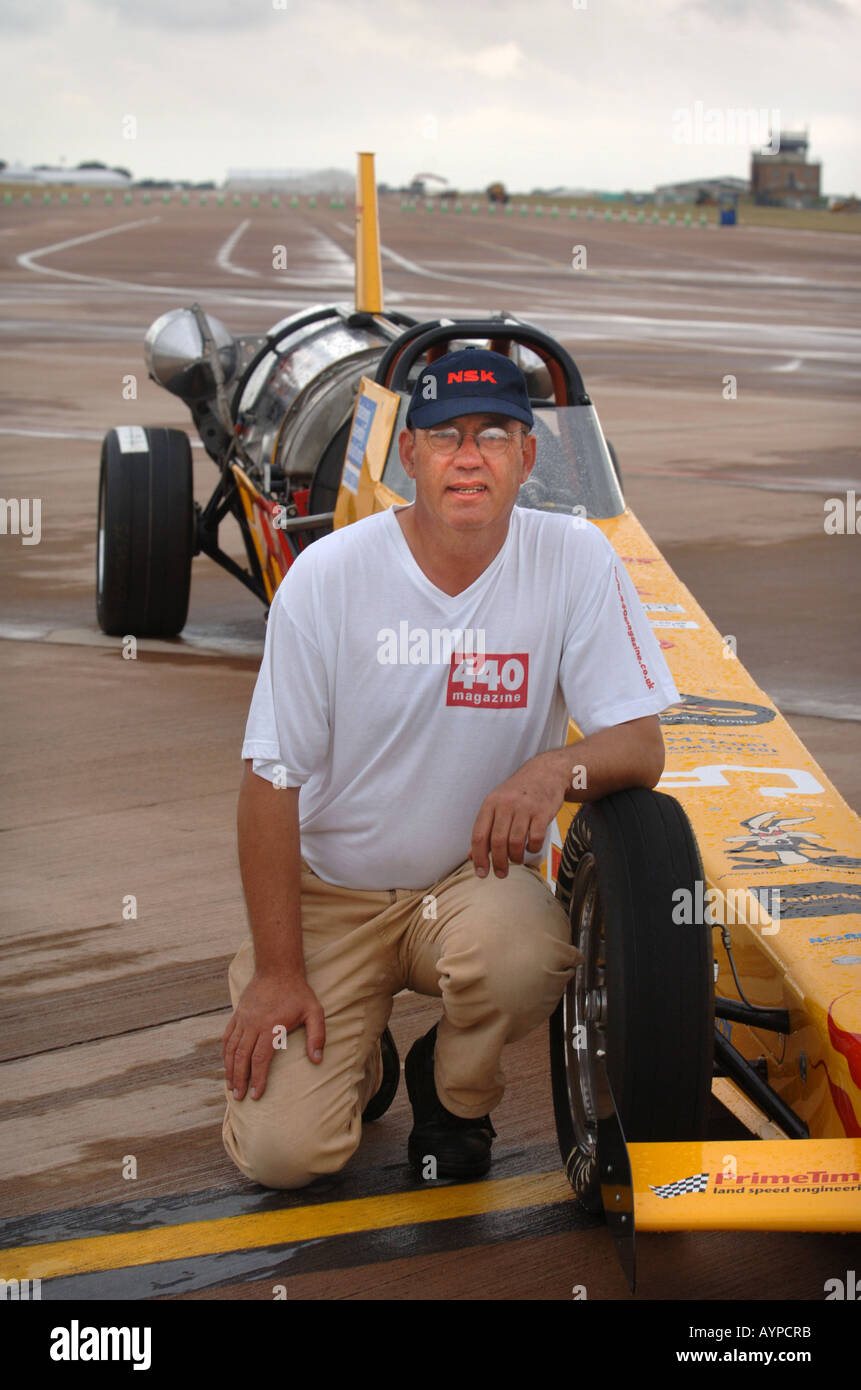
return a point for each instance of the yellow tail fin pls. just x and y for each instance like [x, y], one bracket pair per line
[369, 275]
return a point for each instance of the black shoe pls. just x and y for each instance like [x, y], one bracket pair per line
[461, 1147]
[380, 1102]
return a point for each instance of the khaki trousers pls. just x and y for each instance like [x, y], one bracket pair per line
[496, 951]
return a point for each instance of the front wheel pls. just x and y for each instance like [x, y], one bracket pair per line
[643, 998]
[146, 532]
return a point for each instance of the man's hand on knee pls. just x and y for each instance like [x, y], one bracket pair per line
[516, 814]
[270, 1004]
[514, 817]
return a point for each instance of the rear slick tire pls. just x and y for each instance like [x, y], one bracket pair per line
[145, 532]
[644, 993]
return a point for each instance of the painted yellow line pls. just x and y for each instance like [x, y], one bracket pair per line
[120, 1251]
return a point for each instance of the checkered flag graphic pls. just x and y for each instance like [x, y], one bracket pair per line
[697, 1183]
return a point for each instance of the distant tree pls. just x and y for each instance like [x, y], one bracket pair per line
[91, 164]
[118, 169]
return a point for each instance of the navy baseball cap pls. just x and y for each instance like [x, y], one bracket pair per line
[471, 381]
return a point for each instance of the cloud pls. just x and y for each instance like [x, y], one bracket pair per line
[499, 61]
[201, 15]
[25, 17]
[778, 14]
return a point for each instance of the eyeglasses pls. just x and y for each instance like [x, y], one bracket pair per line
[492, 441]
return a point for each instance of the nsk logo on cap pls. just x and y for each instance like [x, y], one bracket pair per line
[469, 382]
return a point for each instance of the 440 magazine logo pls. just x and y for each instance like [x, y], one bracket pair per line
[493, 680]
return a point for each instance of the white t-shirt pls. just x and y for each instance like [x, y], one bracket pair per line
[395, 728]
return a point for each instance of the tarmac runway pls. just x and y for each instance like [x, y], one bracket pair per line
[120, 777]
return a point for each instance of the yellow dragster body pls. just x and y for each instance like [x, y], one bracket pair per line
[781, 853]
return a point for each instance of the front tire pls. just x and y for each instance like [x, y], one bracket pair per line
[146, 532]
[644, 994]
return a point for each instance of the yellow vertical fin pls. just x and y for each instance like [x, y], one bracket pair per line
[369, 275]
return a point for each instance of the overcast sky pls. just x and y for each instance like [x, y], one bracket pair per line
[533, 92]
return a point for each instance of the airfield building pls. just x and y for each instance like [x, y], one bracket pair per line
[699, 190]
[785, 178]
[300, 181]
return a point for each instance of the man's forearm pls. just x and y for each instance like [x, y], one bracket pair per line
[516, 814]
[271, 869]
[626, 755]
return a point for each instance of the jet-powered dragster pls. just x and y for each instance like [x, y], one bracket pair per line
[718, 916]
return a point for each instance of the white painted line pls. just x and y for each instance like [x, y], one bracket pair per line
[820, 485]
[51, 434]
[223, 256]
[338, 265]
[27, 259]
[94, 637]
[415, 269]
[69, 434]
[818, 708]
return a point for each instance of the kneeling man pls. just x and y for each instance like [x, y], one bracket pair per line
[397, 794]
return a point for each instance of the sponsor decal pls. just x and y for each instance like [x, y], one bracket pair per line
[672, 622]
[712, 775]
[820, 900]
[697, 1183]
[698, 743]
[695, 709]
[770, 833]
[495, 680]
[761, 1184]
[661, 607]
[842, 936]
[358, 443]
[758, 1184]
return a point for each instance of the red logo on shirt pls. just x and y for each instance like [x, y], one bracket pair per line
[491, 680]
